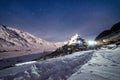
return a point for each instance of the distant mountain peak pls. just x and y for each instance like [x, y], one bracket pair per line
[15, 39]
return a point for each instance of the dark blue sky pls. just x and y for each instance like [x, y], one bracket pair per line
[58, 20]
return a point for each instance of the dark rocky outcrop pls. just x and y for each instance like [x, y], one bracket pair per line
[114, 30]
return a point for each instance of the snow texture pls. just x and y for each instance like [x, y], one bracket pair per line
[101, 64]
[104, 65]
[52, 69]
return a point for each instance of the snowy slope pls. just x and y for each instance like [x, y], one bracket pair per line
[85, 65]
[55, 68]
[105, 65]
[14, 39]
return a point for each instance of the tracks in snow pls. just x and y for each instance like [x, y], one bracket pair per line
[59, 68]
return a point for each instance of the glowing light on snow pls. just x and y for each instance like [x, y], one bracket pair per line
[79, 42]
[104, 40]
[92, 42]
[65, 42]
[74, 39]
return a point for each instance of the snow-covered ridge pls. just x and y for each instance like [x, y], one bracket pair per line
[112, 33]
[14, 39]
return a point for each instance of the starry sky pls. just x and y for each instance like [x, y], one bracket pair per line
[58, 20]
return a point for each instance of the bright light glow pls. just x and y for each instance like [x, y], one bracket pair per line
[92, 43]
[79, 42]
[95, 42]
[73, 40]
[65, 42]
[104, 40]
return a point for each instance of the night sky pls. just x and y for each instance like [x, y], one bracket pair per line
[58, 20]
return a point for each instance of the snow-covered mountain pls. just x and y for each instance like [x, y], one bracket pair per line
[14, 39]
[103, 64]
[74, 44]
[76, 39]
